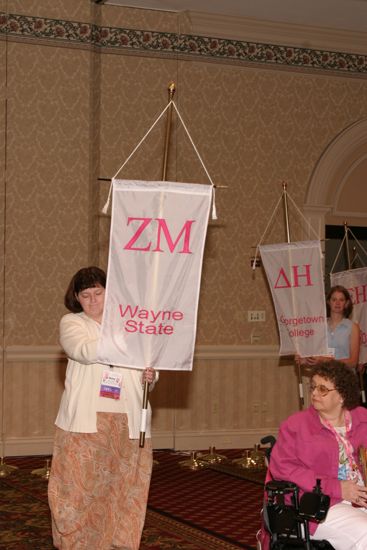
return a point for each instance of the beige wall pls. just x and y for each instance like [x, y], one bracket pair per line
[72, 112]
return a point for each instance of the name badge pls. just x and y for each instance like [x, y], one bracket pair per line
[111, 384]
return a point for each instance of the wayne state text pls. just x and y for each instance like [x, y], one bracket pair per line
[293, 323]
[148, 321]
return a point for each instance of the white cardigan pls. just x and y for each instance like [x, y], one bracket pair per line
[79, 336]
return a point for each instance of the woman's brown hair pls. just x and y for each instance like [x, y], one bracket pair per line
[87, 277]
[344, 379]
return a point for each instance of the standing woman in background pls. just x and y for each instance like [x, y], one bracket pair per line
[99, 482]
[343, 334]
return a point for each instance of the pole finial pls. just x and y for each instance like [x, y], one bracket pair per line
[171, 90]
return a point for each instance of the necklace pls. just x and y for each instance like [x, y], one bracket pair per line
[346, 444]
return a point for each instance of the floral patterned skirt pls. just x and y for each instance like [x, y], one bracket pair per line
[98, 487]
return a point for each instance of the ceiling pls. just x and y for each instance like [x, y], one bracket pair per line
[333, 14]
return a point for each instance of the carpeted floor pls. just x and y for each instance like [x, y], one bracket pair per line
[194, 510]
[226, 506]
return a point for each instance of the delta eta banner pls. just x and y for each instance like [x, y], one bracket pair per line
[156, 250]
[355, 280]
[294, 273]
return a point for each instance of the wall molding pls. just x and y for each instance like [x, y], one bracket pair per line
[34, 354]
[221, 439]
[183, 441]
[42, 354]
[248, 50]
[273, 32]
[27, 446]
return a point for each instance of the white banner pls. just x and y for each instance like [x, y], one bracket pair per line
[157, 241]
[355, 280]
[294, 273]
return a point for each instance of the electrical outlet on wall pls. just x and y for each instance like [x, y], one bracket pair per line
[254, 337]
[255, 316]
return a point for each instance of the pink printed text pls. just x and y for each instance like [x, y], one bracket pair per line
[147, 321]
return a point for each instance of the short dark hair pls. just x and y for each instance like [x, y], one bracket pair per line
[339, 288]
[87, 277]
[344, 379]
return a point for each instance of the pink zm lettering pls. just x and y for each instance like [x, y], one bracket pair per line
[135, 243]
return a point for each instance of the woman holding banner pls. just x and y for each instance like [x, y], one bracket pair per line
[99, 482]
[343, 334]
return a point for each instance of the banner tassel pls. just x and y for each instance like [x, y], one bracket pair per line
[214, 208]
[105, 208]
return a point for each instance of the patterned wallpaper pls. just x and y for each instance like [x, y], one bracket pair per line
[82, 93]
[48, 151]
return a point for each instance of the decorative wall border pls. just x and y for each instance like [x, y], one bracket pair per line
[197, 47]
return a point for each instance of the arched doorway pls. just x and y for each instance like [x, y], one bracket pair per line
[337, 190]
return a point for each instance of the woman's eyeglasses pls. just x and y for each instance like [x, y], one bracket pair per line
[323, 390]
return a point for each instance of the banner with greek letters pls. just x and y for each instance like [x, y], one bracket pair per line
[355, 280]
[156, 250]
[294, 273]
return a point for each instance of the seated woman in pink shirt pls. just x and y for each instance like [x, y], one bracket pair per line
[322, 442]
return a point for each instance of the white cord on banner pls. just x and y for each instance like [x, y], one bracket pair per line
[266, 229]
[306, 220]
[276, 208]
[357, 241]
[341, 247]
[214, 210]
[105, 208]
[338, 254]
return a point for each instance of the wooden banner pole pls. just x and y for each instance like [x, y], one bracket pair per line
[171, 92]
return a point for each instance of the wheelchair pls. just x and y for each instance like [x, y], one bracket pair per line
[286, 515]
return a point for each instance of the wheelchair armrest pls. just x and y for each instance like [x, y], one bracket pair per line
[281, 486]
[311, 506]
